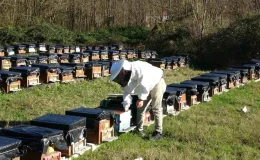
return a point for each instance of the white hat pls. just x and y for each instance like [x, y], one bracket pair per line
[117, 66]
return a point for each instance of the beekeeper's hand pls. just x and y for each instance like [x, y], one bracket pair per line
[139, 103]
[126, 108]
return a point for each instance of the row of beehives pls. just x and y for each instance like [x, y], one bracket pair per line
[16, 72]
[113, 52]
[201, 88]
[53, 135]
[22, 76]
[80, 57]
[173, 62]
[82, 54]
[59, 49]
[31, 48]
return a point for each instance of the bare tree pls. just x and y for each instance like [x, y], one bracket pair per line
[93, 14]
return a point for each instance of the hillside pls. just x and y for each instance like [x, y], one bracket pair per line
[214, 130]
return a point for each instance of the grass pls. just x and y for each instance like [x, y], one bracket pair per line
[214, 130]
[28, 104]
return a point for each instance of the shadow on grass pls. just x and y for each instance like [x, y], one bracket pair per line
[6, 124]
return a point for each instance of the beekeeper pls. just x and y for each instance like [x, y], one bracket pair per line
[147, 82]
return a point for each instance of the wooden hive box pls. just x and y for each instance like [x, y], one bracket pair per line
[49, 73]
[168, 65]
[213, 83]
[59, 49]
[122, 54]
[72, 49]
[30, 48]
[113, 55]
[30, 75]
[100, 124]
[191, 92]
[79, 69]
[168, 101]
[30, 61]
[52, 58]
[63, 58]
[9, 51]
[41, 59]
[174, 63]
[160, 63]
[233, 77]
[202, 88]
[251, 70]
[83, 48]
[19, 49]
[256, 63]
[222, 80]
[74, 58]
[93, 70]
[105, 68]
[51, 48]
[124, 121]
[141, 54]
[93, 55]
[10, 148]
[130, 54]
[254, 70]
[10, 81]
[66, 49]
[39, 156]
[2, 51]
[180, 97]
[103, 55]
[82, 56]
[5, 63]
[36, 140]
[74, 131]
[41, 47]
[18, 61]
[66, 74]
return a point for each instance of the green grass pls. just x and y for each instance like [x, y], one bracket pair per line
[57, 98]
[214, 130]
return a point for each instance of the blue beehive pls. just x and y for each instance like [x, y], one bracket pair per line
[122, 121]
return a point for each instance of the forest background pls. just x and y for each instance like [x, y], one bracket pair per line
[215, 33]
